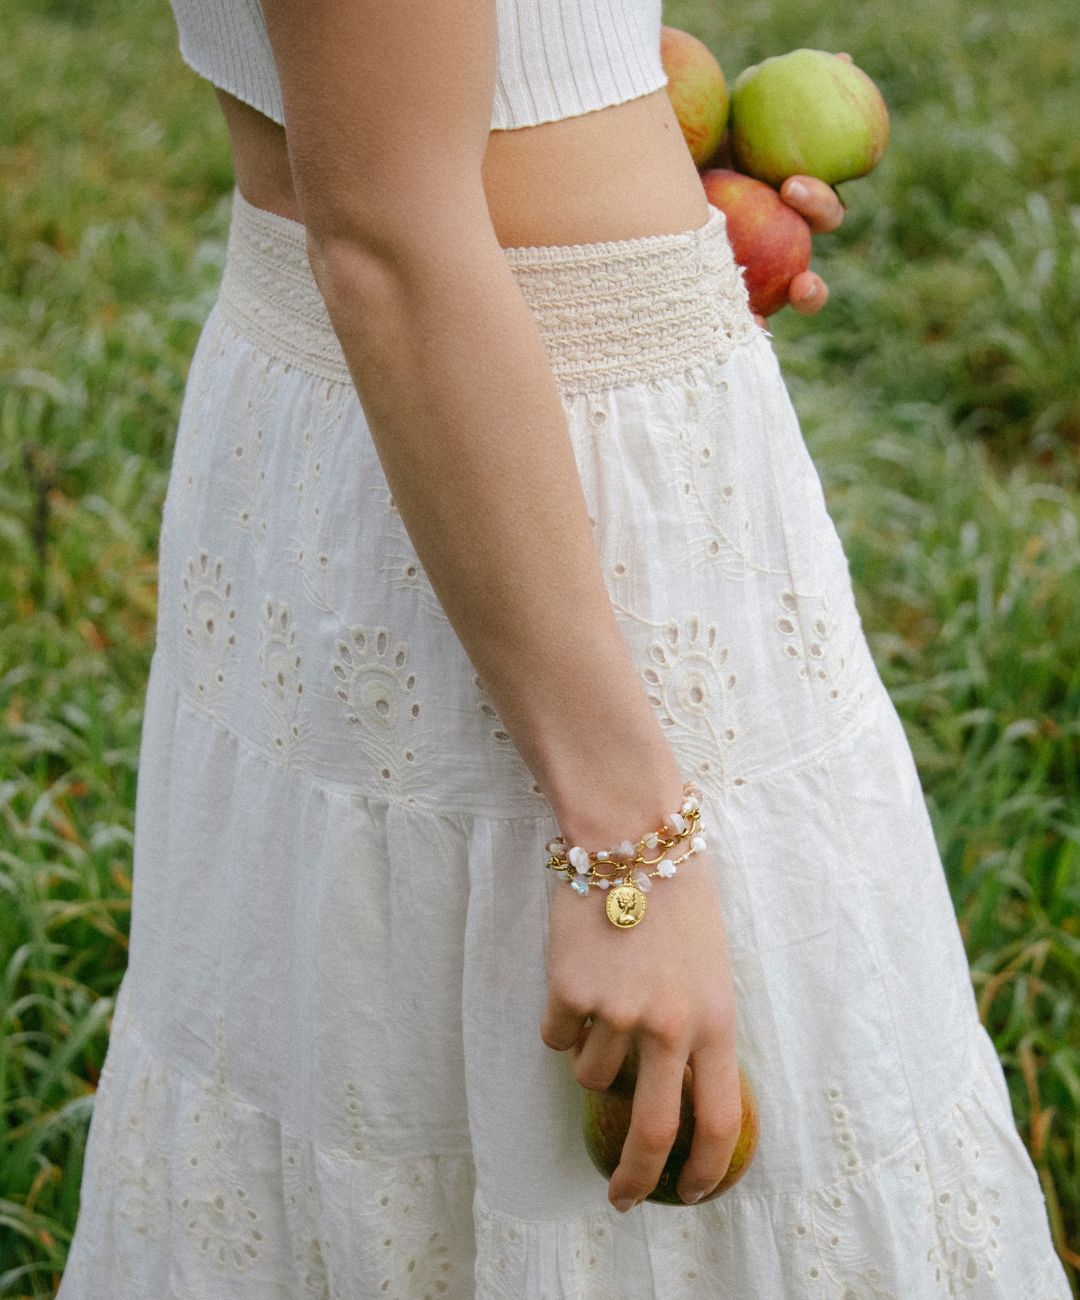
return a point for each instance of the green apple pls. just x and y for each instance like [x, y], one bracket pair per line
[697, 90]
[807, 113]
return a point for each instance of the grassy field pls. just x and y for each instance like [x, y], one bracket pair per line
[940, 397]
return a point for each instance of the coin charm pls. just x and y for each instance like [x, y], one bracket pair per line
[625, 905]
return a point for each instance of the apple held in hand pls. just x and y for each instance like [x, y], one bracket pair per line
[697, 90]
[606, 1122]
[769, 239]
[807, 113]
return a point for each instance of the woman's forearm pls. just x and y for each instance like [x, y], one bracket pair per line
[471, 432]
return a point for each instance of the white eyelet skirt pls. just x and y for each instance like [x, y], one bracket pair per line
[325, 1078]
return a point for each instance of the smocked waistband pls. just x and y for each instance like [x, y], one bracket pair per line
[614, 312]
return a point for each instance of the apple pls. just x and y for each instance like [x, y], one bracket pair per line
[807, 113]
[769, 239]
[697, 90]
[606, 1122]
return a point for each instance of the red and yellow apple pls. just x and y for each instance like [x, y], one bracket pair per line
[769, 239]
[697, 90]
[606, 1123]
[807, 113]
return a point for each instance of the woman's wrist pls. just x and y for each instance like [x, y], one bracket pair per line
[625, 799]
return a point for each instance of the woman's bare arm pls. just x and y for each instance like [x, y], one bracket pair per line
[387, 115]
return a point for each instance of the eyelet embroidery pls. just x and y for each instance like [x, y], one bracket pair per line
[373, 680]
[377, 689]
[143, 1177]
[487, 709]
[414, 1258]
[299, 1186]
[965, 1206]
[313, 541]
[209, 629]
[960, 1194]
[280, 680]
[246, 460]
[404, 573]
[706, 484]
[216, 1212]
[842, 1134]
[689, 682]
[415, 1245]
[357, 1143]
[503, 1244]
[413, 1248]
[726, 542]
[809, 640]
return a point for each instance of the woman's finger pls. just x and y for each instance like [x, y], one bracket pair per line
[818, 203]
[717, 1120]
[598, 1061]
[560, 1026]
[582, 1038]
[654, 1122]
[808, 293]
[843, 54]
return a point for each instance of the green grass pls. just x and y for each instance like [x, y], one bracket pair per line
[939, 393]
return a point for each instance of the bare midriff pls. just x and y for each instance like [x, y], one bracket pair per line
[619, 172]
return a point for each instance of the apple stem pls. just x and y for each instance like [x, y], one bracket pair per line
[836, 191]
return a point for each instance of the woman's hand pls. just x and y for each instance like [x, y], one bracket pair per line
[666, 985]
[820, 206]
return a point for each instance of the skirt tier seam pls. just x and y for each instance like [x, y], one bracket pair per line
[968, 1091]
[149, 1048]
[854, 722]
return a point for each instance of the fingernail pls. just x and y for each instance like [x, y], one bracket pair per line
[810, 293]
[797, 190]
[690, 1197]
[626, 1203]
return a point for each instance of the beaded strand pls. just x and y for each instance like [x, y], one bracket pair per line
[625, 904]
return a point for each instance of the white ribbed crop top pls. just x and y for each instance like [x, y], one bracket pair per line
[556, 58]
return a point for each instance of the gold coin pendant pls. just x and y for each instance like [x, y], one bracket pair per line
[625, 905]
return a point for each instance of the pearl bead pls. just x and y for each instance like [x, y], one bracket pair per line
[698, 843]
[578, 858]
[605, 883]
[602, 855]
[691, 804]
[666, 867]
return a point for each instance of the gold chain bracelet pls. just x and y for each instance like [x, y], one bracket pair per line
[625, 886]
